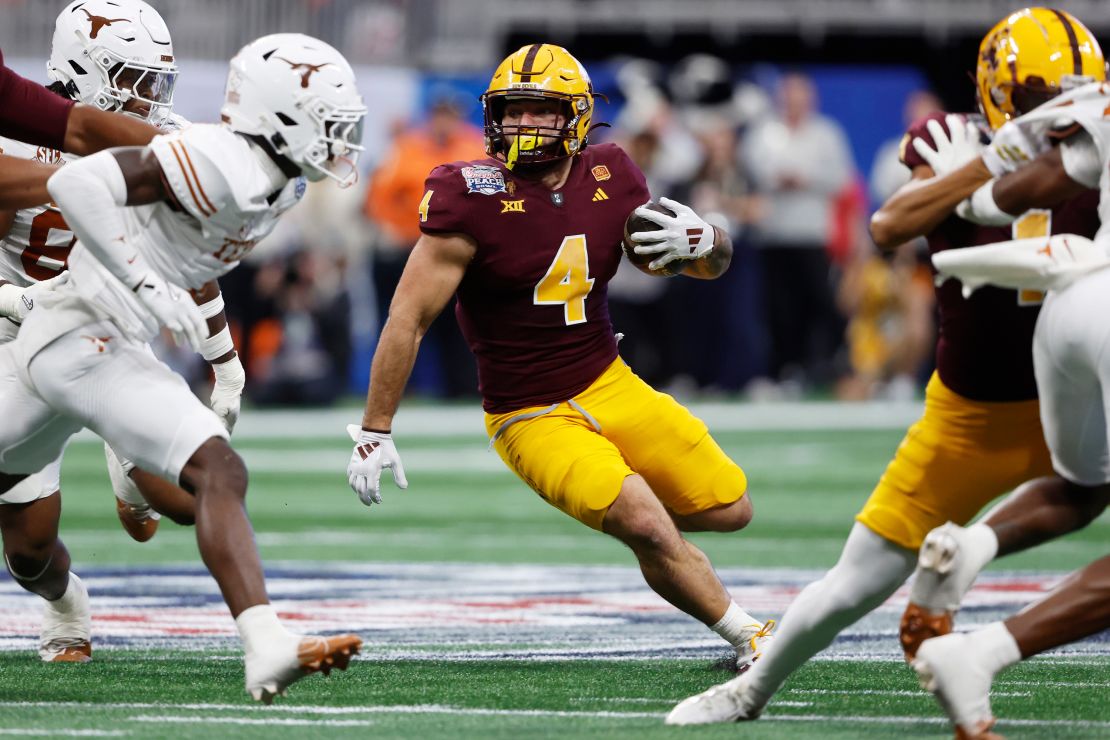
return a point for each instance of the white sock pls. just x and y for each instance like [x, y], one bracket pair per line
[259, 627]
[981, 545]
[736, 626]
[65, 603]
[995, 647]
[870, 569]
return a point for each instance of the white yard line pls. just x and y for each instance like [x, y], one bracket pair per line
[455, 421]
[887, 692]
[469, 711]
[32, 732]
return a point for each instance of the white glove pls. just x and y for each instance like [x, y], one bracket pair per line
[683, 236]
[1010, 148]
[954, 149]
[17, 302]
[230, 379]
[373, 452]
[174, 309]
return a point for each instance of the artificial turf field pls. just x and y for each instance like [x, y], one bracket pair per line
[488, 614]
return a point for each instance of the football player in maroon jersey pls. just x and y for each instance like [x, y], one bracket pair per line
[31, 113]
[527, 241]
[980, 435]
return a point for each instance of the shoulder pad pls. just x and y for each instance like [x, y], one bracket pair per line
[443, 207]
[200, 166]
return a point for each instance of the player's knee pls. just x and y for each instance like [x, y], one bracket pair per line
[26, 558]
[215, 468]
[736, 516]
[645, 532]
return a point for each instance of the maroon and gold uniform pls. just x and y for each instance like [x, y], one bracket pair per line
[564, 412]
[980, 435]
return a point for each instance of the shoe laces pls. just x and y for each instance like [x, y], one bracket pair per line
[765, 631]
[138, 511]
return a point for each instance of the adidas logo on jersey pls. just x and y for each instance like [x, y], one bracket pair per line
[599, 194]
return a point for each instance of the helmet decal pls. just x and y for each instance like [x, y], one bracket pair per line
[97, 22]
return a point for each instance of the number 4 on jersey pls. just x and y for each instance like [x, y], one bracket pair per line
[568, 280]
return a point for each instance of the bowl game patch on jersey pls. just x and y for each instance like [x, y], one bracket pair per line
[484, 179]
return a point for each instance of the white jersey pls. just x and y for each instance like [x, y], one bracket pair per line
[39, 241]
[1086, 158]
[224, 204]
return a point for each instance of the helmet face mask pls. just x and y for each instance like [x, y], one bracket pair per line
[151, 87]
[116, 56]
[1030, 57]
[299, 94]
[539, 73]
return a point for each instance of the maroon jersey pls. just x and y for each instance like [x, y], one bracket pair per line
[31, 113]
[532, 304]
[984, 347]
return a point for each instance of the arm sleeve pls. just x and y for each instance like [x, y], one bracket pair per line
[91, 193]
[31, 113]
[443, 209]
[1081, 158]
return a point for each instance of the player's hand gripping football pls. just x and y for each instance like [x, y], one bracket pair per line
[954, 148]
[683, 236]
[227, 391]
[174, 309]
[373, 452]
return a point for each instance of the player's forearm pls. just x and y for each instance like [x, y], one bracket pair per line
[715, 263]
[921, 204]
[90, 130]
[23, 183]
[1044, 183]
[219, 348]
[389, 372]
[90, 194]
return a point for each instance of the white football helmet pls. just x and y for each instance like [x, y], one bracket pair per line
[300, 95]
[116, 55]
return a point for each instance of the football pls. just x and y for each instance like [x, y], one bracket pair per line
[639, 223]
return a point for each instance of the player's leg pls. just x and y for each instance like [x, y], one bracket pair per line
[148, 413]
[960, 668]
[696, 483]
[673, 567]
[1066, 356]
[938, 473]
[558, 452]
[142, 498]
[869, 570]
[32, 438]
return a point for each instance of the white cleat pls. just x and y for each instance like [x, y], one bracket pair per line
[67, 626]
[270, 674]
[750, 651]
[944, 575]
[727, 702]
[961, 686]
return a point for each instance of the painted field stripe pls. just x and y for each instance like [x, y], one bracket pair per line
[466, 420]
[171, 719]
[888, 692]
[32, 732]
[484, 711]
[1003, 723]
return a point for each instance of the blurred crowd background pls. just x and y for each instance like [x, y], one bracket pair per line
[779, 121]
